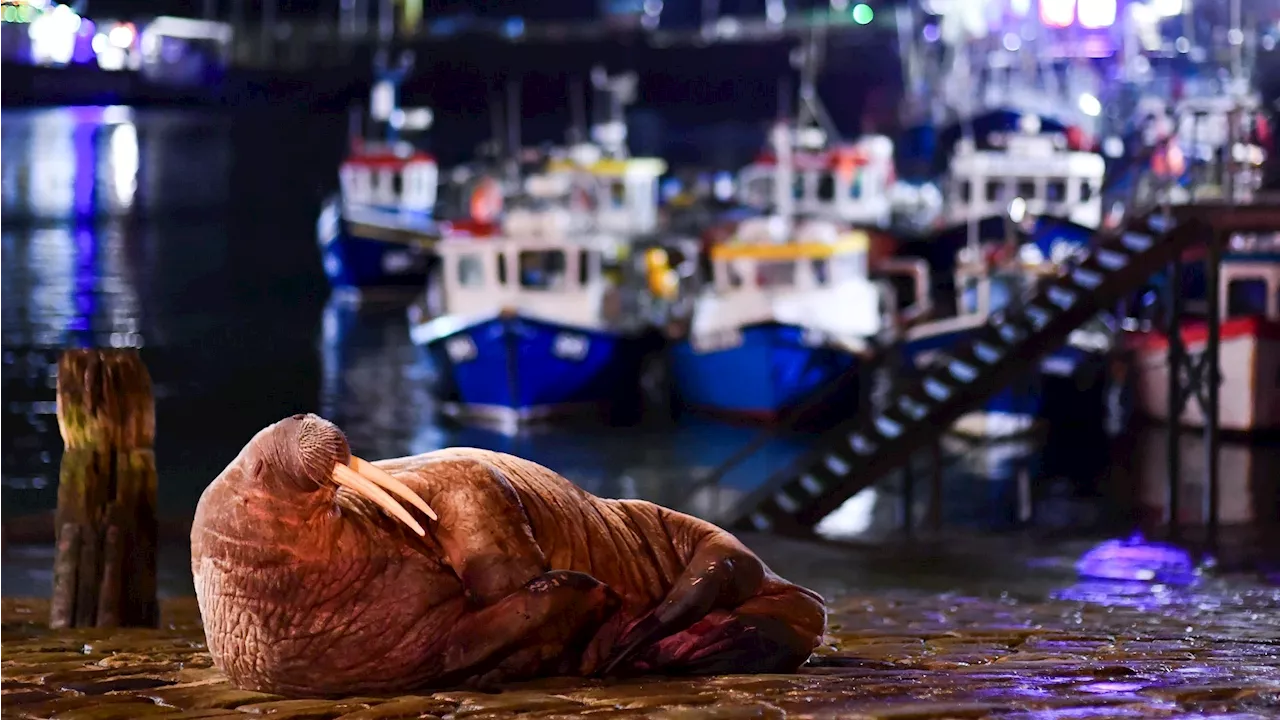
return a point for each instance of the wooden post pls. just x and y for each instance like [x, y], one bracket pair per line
[105, 566]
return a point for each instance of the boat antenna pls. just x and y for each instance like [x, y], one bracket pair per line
[577, 111]
[513, 86]
[811, 111]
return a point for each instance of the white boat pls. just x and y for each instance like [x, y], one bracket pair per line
[850, 183]
[1249, 344]
[1038, 167]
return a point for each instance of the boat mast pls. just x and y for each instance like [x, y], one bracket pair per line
[610, 129]
[513, 88]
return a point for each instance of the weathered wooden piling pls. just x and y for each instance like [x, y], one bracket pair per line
[105, 563]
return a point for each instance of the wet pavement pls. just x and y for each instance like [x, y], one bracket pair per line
[1113, 651]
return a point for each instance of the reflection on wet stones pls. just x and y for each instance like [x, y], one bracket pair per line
[893, 656]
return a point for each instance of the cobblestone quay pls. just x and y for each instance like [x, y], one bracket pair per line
[1167, 653]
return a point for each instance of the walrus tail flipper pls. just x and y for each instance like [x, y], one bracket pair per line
[772, 632]
[722, 574]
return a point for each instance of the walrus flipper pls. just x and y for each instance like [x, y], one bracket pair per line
[529, 632]
[726, 613]
[722, 574]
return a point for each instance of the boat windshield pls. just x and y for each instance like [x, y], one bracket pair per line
[1001, 289]
[542, 269]
[1247, 296]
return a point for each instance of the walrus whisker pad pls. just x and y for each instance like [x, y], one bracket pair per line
[369, 490]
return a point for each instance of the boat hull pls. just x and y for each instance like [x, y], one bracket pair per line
[759, 373]
[516, 369]
[368, 257]
[1249, 363]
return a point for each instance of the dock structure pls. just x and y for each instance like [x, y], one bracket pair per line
[864, 449]
[104, 571]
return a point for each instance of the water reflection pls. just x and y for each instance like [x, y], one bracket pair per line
[86, 162]
[1247, 473]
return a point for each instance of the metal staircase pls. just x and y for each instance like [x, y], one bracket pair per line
[861, 451]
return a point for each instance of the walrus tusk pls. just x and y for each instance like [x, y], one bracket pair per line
[365, 488]
[387, 481]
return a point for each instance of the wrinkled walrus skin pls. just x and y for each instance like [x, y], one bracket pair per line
[308, 589]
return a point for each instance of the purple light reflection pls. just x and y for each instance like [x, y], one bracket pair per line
[79, 328]
[1135, 560]
[84, 134]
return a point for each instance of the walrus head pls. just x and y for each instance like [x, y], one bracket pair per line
[303, 455]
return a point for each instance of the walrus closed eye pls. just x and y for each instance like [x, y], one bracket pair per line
[321, 574]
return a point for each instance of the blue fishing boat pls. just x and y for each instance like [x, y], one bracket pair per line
[778, 320]
[379, 233]
[376, 234]
[532, 328]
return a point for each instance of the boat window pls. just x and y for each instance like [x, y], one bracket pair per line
[826, 187]
[470, 271]
[732, 275]
[584, 267]
[969, 297]
[1055, 191]
[1026, 188]
[1247, 296]
[797, 187]
[397, 184]
[821, 270]
[847, 267]
[965, 191]
[1004, 288]
[759, 191]
[776, 273]
[617, 193]
[855, 187]
[542, 269]
[993, 190]
[502, 268]
[1086, 191]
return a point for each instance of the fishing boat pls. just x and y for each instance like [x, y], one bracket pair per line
[532, 329]
[1057, 183]
[783, 314]
[850, 183]
[1249, 350]
[376, 234]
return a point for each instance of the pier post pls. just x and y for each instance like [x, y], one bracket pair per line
[1175, 363]
[105, 523]
[1211, 380]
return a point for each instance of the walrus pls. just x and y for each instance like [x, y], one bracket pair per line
[313, 579]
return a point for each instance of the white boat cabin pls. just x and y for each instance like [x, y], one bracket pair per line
[1051, 179]
[851, 183]
[816, 281]
[1250, 278]
[392, 179]
[543, 271]
[618, 195]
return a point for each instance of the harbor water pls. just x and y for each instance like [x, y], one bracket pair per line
[192, 236]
